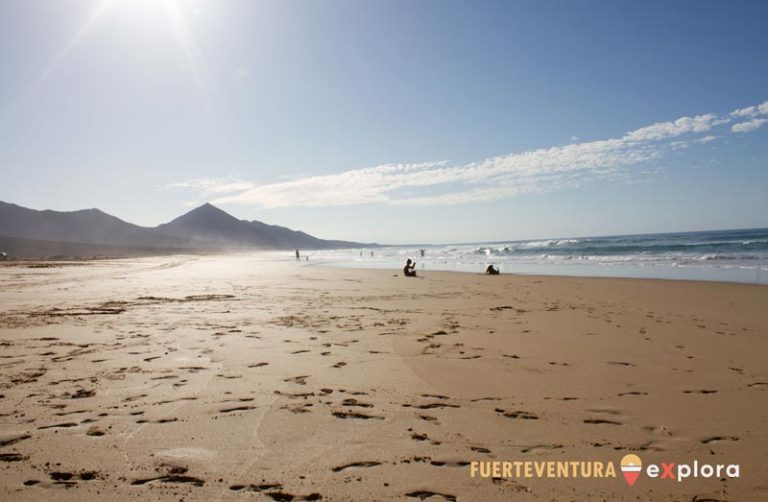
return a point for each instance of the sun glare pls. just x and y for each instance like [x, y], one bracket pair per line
[140, 15]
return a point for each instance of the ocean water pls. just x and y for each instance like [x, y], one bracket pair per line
[721, 255]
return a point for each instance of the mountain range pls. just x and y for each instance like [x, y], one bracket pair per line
[29, 233]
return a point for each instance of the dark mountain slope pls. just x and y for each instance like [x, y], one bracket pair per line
[206, 228]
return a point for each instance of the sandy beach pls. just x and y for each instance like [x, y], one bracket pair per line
[235, 378]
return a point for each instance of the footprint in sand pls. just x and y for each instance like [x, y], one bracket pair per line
[300, 380]
[263, 487]
[476, 400]
[425, 494]
[435, 396]
[717, 439]
[355, 465]
[301, 408]
[420, 437]
[541, 447]
[94, 431]
[271, 490]
[171, 478]
[82, 393]
[525, 415]
[237, 408]
[355, 402]
[354, 414]
[68, 479]
[443, 463]
[58, 426]
[599, 421]
[193, 369]
[295, 395]
[159, 421]
[12, 457]
[430, 406]
[647, 446]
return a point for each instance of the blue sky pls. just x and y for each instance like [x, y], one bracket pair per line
[429, 121]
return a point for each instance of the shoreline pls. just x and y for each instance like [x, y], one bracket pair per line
[540, 276]
[269, 257]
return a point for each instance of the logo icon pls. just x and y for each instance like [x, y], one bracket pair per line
[631, 466]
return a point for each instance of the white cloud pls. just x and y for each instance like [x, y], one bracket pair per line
[664, 130]
[214, 185]
[751, 111]
[749, 125]
[494, 178]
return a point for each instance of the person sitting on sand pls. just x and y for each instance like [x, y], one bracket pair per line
[491, 270]
[409, 269]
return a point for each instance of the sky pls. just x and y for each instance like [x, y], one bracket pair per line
[391, 121]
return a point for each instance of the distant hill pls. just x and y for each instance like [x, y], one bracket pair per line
[212, 225]
[35, 234]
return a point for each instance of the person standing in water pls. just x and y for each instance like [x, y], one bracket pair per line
[298, 257]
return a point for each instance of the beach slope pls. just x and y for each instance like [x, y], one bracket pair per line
[212, 378]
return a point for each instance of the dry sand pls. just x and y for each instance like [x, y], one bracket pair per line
[231, 378]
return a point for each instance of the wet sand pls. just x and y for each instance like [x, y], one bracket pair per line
[231, 378]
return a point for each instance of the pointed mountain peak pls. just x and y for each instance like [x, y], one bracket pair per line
[207, 207]
[205, 215]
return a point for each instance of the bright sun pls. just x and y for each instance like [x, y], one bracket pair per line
[143, 15]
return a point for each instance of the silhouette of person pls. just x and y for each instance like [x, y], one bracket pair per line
[409, 269]
[297, 255]
[491, 270]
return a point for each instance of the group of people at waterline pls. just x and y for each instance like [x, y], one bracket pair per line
[410, 269]
[410, 265]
